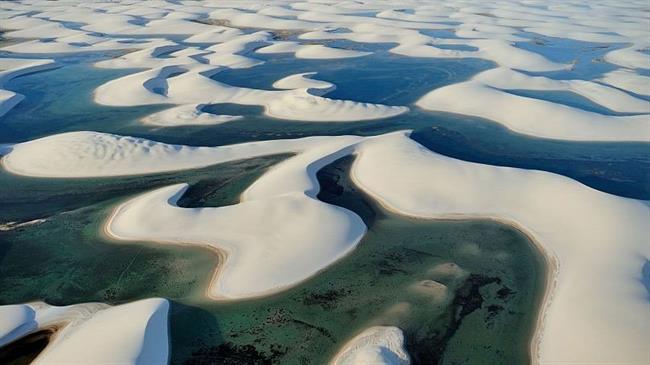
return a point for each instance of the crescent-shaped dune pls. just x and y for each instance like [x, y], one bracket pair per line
[279, 234]
[184, 85]
[596, 243]
[599, 242]
[375, 345]
[93, 333]
[11, 68]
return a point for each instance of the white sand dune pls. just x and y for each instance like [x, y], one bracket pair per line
[492, 28]
[46, 30]
[628, 80]
[279, 215]
[93, 333]
[486, 96]
[375, 345]
[11, 68]
[150, 57]
[186, 115]
[239, 18]
[270, 243]
[598, 311]
[597, 241]
[608, 97]
[500, 51]
[304, 81]
[311, 51]
[217, 34]
[279, 234]
[184, 85]
[301, 105]
[486, 31]
[631, 57]
[88, 154]
[270, 238]
[8, 100]
[73, 44]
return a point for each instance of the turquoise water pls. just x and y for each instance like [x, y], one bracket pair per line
[497, 289]
[618, 168]
[66, 260]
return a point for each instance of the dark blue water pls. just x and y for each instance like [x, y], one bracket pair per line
[61, 100]
[586, 57]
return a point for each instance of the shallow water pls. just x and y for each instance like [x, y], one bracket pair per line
[59, 261]
[25, 350]
[66, 260]
[61, 100]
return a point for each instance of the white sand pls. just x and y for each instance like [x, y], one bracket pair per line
[489, 30]
[11, 68]
[490, 27]
[185, 115]
[631, 57]
[279, 234]
[486, 96]
[189, 85]
[88, 154]
[598, 240]
[628, 80]
[375, 345]
[93, 333]
[304, 81]
[311, 51]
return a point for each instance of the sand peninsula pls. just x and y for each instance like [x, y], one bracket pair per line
[408, 179]
[596, 243]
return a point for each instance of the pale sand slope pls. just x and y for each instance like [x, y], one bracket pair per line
[599, 312]
[304, 81]
[486, 96]
[192, 114]
[492, 28]
[628, 80]
[483, 30]
[88, 154]
[13, 67]
[184, 115]
[279, 234]
[93, 333]
[192, 85]
[310, 51]
[598, 240]
[375, 345]
[631, 57]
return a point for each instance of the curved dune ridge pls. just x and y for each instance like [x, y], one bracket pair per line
[185, 85]
[89, 154]
[487, 95]
[93, 333]
[279, 234]
[180, 45]
[270, 238]
[310, 51]
[375, 345]
[11, 68]
[184, 115]
[303, 81]
[597, 241]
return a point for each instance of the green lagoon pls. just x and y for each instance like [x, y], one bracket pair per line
[489, 278]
